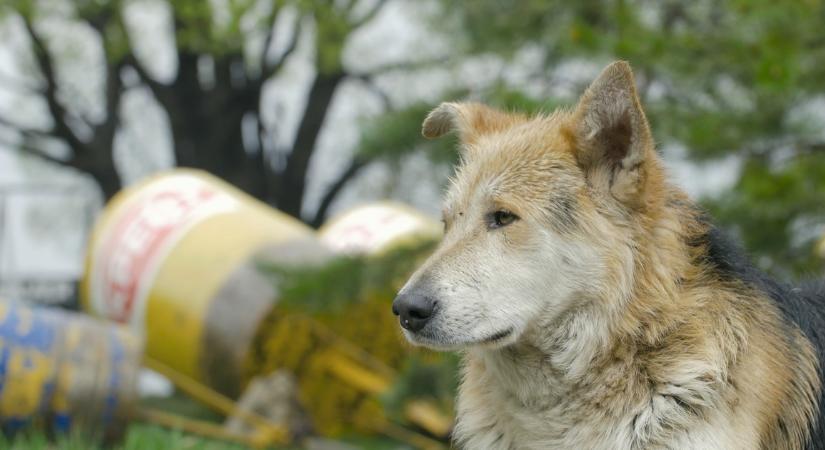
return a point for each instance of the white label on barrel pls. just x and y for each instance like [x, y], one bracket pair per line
[371, 228]
[140, 235]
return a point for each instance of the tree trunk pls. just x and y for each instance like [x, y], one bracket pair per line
[290, 195]
[106, 176]
[206, 123]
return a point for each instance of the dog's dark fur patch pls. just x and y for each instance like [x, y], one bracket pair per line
[802, 306]
[564, 213]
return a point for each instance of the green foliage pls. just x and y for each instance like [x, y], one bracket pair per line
[395, 134]
[435, 380]
[398, 133]
[352, 296]
[719, 78]
[785, 201]
[347, 279]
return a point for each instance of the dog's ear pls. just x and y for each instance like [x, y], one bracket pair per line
[613, 140]
[469, 120]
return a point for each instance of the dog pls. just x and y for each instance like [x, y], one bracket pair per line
[595, 305]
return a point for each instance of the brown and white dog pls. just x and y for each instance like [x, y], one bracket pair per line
[595, 305]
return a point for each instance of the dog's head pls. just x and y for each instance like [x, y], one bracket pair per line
[538, 217]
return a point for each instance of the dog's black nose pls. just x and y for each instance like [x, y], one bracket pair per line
[413, 311]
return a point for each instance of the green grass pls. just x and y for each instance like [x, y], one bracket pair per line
[149, 437]
[142, 436]
[138, 437]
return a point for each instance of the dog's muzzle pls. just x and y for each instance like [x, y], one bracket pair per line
[413, 311]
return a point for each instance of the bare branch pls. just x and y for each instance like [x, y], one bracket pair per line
[130, 60]
[379, 5]
[155, 86]
[270, 34]
[335, 188]
[36, 152]
[369, 82]
[293, 177]
[270, 69]
[24, 130]
[56, 109]
[401, 67]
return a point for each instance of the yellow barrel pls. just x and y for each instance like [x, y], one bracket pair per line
[63, 371]
[177, 256]
[377, 227]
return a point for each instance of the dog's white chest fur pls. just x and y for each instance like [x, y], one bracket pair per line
[505, 405]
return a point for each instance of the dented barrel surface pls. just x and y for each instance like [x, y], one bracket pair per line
[62, 371]
[177, 256]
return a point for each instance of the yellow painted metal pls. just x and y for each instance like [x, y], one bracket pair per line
[387, 428]
[189, 278]
[275, 433]
[203, 428]
[356, 375]
[429, 417]
[160, 256]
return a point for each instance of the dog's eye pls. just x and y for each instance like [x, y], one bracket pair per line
[502, 218]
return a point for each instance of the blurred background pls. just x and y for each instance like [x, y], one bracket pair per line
[313, 107]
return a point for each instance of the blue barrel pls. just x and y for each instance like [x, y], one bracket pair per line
[62, 371]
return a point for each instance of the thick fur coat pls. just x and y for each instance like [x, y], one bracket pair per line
[595, 305]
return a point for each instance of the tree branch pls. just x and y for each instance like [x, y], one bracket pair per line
[270, 35]
[132, 61]
[405, 66]
[161, 91]
[293, 177]
[36, 152]
[56, 109]
[379, 5]
[369, 82]
[26, 131]
[354, 168]
[270, 69]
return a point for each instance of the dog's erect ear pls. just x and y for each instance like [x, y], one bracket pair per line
[614, 143]
[468, 119]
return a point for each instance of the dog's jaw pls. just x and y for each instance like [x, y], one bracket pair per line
[438, 341]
